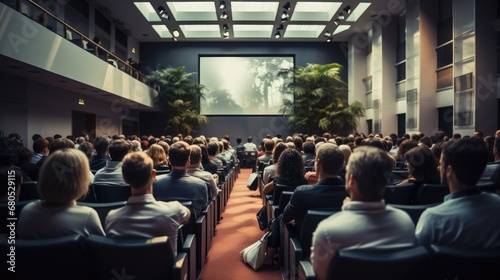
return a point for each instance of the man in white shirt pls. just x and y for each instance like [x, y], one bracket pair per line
[143, 215]
[250, 146]
[365, 221]
[111, 174]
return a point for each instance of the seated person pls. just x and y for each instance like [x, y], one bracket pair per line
[422, 166]
[111, 174]
[63, 179]
[143, 216]
[101, 146]
[193, 169]
[290, 171]
[365, 222]
[270, 171]
[468, 218]
[159, 157]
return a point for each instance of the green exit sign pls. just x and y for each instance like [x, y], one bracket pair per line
[81, 101]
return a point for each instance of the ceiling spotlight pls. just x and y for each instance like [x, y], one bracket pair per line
[341, 16]
[222, 5]
[347, 9]
[225, 26]
[223, 15]
[162, 12]
[226, 34]
[174, 39]
[277, 35]
[280, 27]
[287, 6]
[284, 16]
[175, 33]
[337, 21]
[327, 34]
[329, 39]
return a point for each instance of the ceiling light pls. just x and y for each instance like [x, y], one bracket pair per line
[341, 16]
[162, 12]
[174, 39]
[327, 34]
[226, 34]
[329, 39]
[175, 33]
[277, 35]
[225, 26]
[337, 21]
[223, 15]
[222, 5]
[284, 16]
[287, 6]
[347, 9]
[280, 27]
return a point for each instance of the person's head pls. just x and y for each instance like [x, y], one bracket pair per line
[489, 142]
[195, 155]
[277, 150]
[463, 162]
[157, 154]
[329, 160]
[298, 143]
[101, 145]
[249, 139]
[205, 158]
[438, 136]
[178, 155]
[426, 140]
[367, 173]
[225, 144]
[165, 146]
[422, 165]
[118, 149]
[213, 148]
[87, 148]
[238, 140]
[137, 169]
[8, 175]
[437, 149]
[290, 164]
[309, 147]
[457, 136]
[268, 145]
[80, 140]
[64, 176]
[135, 146]
[374, 143]
[41, 146]
[57, 136]
[59, 144]
[415, 137]
[405, 146]
[36, 136]
[97, 40]
[346, 150]
[478, 133]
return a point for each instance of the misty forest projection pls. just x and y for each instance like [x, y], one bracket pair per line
[244, 85]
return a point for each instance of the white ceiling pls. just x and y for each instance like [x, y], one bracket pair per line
[302, 21]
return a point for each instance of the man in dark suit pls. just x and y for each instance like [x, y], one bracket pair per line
[328, 194]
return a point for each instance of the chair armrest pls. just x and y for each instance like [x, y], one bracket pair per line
[180, 269]
[306, 271]
[189, 247]
[201, 241]
[295, 256]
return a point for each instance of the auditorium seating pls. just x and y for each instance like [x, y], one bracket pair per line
[29, 191]
[414, 211]
[111, 193]
[431, 193]
[402, 194]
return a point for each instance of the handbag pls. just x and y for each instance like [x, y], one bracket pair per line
[252, 181]
[262, 218]
[254, 254]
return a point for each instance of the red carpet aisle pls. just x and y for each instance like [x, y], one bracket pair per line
[236, 231]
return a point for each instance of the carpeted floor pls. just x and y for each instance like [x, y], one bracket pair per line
[237, 230]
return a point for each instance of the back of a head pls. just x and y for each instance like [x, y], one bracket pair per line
[195, 154]
[290, 164]
[374, 143]
[297, 140]
[268, 145]
[225, 144]
[87, 148]
[249, 139]
[438, 136]
[157, 154]
[330, 157]
[36, 136]
[213, 148]
[309, 147]
[238, 140]
[178, 154]
[371, 167]
[39, 145]
[101, 144]
[346, 150]
[118, 149]
[467, 157]
[59, 144]
[64, 176]
[136, 169]
[406, 145]
[423, 165]
[278, 149]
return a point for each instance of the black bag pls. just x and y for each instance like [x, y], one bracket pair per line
[252, 181]
[262, 218]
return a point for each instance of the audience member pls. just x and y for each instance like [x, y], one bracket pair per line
[101, 146]
[194, 170]
[143, 216]
[467, 218]
[270, 171]
[159, 157]
[111, 174]
[64, 178]
[422, 166]
[178, 184]
[309, 154]
[249, 145]
[290, 171]
[40, 149]
[205, 160]
[365, 221]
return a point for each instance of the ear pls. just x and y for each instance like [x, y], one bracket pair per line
[153, 174]
[350, 182]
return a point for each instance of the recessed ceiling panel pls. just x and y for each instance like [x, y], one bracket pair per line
[254, 11]
[252, 31]
[200, 30]
[303, 31]
[358, 11]
[147, 11]
[193, 11]
[162, 30]
[315, 11]
[341, 28]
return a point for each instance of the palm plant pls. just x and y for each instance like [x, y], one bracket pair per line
[320, 101]
[179, 99]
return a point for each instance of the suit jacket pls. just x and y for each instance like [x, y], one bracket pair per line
[327, 194]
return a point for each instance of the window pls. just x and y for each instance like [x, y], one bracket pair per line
[81, 6]
[368, 86]
[411, 109]
[102, 22]
[121, 37]
[445, 24]
[401, 71]
[464, 100]
[444, 55]
[400, 90]
[445, 77]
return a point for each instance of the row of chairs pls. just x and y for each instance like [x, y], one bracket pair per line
[436, 262]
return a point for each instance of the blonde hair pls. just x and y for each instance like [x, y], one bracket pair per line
[135, 146]
[64, 176]
[157, 154]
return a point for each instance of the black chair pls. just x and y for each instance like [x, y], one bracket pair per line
[111, 193]
[55, 258]
[139, 258]
[402, 194]
[414, 211]
[103, 208]
[398, 176]
[464, 264]
[249, 159]
[431, 193]
[29, 191]
[487, 187]
[273, 200]
[89, 196]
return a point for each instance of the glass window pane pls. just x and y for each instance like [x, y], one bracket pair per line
[401, 90]
[445, 55]
[401, 72]
[445, 77]
[445, 31]
[401, 52]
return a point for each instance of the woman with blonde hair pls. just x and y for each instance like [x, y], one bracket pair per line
[64, 178]
[159, 157]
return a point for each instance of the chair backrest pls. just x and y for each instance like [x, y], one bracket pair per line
[55, 258]
[402, 194]
[460, 263]
[431, 193]
[89, 196]
[278, 189]
[398, 176]
[29, 191]
[414, 211]
[284, 199]
[135, 257]
[487, 187]
[398, 264]
[103, 208]
[111, 193]
[309, 224]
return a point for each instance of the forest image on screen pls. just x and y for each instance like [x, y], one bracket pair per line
[244, 85]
